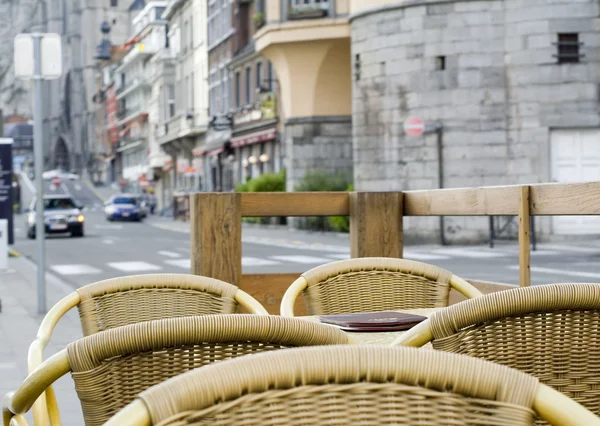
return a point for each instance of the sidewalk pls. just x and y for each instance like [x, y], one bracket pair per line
[19, 322]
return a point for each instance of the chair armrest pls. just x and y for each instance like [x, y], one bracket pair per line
[289, 298]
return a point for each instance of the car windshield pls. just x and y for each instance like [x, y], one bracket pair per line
[58, 203]
[124, 200]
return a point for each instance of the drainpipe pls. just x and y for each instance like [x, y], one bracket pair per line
[438, 130]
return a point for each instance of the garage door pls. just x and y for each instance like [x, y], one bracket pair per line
[575, 157]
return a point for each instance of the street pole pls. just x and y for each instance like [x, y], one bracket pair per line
[40, 231]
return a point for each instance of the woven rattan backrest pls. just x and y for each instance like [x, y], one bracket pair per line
[127, 300]
[348, 384]
[551, 332]
[110, 368]
[375, 284]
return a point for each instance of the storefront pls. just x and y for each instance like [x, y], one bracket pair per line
[255, 140]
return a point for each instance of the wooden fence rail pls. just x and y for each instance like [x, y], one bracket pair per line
[375, 223]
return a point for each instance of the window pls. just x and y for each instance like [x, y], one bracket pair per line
[270, 76]
[188, 97]
[440, 63]
[114, 3]
[260, 6]
[192, 94]
[248, 85]
[237, 89]
[259, 76]
[568, 48]
[170, 101]
[185, 35]
[158, 12]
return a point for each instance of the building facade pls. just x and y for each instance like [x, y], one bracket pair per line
[185, 121]
[133, 83]
[308, 42]
[217, 155]
[255, 134]
[512, 89]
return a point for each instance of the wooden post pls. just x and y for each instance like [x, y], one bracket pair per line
[216, 236]
[524, 237]
[376, 224]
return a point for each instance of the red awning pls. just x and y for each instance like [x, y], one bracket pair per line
[198, 152]
[250, 138]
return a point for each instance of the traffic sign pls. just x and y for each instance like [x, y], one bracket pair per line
[56, 181]
[50, 56]
[414, 126]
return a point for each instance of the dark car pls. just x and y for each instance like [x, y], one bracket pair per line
[124, 207]
[62, 214]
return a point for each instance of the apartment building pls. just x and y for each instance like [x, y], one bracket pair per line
[308, 42]
[217, 155]
[184, 123]
[255, 134]
[133, 84]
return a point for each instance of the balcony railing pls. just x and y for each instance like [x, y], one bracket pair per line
[308, 9]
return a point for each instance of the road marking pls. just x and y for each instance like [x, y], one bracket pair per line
[107, 241]
[460, 252]
[301, 259]
[75, 269]
[339, 256]
[169, 253]
[134, 266]
[255, 261]
[77, 187]
[563, 272]
[180, 263]
[576, 249]
[424, 256]
[108, 226]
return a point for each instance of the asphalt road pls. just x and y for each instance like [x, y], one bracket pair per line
[111, 249]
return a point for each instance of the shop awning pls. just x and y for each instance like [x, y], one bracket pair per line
[255, 137]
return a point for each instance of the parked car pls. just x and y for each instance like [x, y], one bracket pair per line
[62, 214]
[123, 207]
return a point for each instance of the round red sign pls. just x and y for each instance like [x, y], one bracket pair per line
[414, 126]
[55, 181]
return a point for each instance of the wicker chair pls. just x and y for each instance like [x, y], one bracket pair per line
[551, 332]
[120, 301]
[373, 284]
[367, 385]
[111, 367]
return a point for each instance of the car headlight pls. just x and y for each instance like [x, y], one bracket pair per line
[31, 219]
[76, 218]
[110, 209]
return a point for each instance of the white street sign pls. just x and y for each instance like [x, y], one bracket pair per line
[50, 56]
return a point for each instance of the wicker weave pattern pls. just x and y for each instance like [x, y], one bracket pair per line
[127, 300]
[110, 368]
[550, 332]
[375, 284]
[339, 385]
[370, 404]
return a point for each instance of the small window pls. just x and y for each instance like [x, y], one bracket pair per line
[259, 76]
[568, 48]
[270, 76]
[440, 62]
[357, 67]
[248, 85]
[114, 3]
[237, 89]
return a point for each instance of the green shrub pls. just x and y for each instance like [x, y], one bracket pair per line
[321, 180]
[267, 182]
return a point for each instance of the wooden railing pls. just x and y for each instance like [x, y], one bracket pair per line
[375, 223]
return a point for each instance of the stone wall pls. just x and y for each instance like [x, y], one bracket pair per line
[497, 97]
[317, 143]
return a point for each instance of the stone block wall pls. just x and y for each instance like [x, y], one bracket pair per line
[497, 97]
[315, 143]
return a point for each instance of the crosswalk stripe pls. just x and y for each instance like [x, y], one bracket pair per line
[576, 249]
[180, 263]
[560, 272]
[169, 254]
[75, 269]
[301, 259]
[134, 266]
[424, 256]
[255, 261]
[460, 252]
